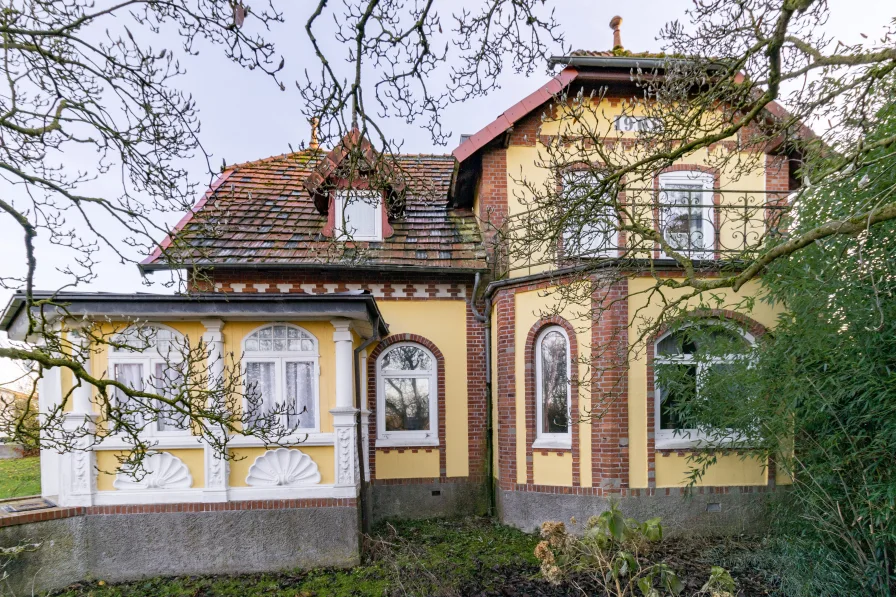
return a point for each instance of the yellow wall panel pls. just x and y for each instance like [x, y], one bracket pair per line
[107, 464]
[245, 458]
[672, 471]
[444, 323]
[551, 468]
[529, 306]
[408, 464]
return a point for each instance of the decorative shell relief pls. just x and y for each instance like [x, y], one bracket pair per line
[283, 468]
[160, 471]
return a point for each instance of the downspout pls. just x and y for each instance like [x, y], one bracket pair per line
[489, 423]
[359, 428]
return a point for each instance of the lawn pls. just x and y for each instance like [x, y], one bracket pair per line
[19, 477]
[465, 557]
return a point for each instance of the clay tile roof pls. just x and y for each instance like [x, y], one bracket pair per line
[261, 214]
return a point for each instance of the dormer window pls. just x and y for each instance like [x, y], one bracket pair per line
[359, 215]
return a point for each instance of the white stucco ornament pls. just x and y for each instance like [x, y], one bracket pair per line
[283, 468]
[161, 471]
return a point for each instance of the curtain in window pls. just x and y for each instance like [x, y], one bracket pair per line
[131, 375]
[168, 380]
[299, 395]
[260, 389]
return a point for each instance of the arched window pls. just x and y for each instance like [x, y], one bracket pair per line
[407, 404]
[695, 352]
[150, 358]
[686, 212]
[553, 387]
[281, 364]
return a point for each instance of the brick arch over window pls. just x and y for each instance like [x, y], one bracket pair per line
[744, 322]
[531, 395]
[716, 200]
[440, 394]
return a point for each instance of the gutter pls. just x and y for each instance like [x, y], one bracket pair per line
[489, 423]
[359, 428]
[623, 62]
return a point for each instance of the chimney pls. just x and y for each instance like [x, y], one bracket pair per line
[314, 143]
[615, 24]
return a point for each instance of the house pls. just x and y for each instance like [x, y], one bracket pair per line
[417, 328]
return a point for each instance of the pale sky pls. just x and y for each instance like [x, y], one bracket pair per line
[245, 116]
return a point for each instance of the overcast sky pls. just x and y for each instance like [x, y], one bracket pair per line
[245, 116]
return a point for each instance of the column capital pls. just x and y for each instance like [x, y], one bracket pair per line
[213, 329]
[342, 330]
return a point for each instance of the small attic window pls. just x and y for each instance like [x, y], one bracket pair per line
[359, 215]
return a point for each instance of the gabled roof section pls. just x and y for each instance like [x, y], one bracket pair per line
[378, 166]
[260, 214]
[506, 120]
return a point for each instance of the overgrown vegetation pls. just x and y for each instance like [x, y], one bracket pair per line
[19, 477]
[463, 557]
[819, 394]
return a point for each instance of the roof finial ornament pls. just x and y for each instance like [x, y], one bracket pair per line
[615, 24]
[315, 142]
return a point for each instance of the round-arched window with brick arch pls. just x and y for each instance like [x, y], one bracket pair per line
[407, 401]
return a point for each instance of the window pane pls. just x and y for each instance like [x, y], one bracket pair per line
[407, 358]
[359, 211]
[167, 382]
[407, 404]
[682, 216]
[685, 382]
[130, 374]
[260, 389]
[597, 235]
[279, 338]
[300, 395]
[719, 341]
[554, 383]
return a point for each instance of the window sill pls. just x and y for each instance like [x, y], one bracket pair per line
[697, 443]
[552, 444]
[407, 443]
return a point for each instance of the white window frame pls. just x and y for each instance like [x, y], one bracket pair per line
[365, 197]
[407, 438]
[148, 358]
[611, 240]
[552, 440]
[280, 358]
[671, 439]
[690, 177]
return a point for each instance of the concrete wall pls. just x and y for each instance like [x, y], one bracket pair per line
[120, 547]
[681, 515]
[428, 500]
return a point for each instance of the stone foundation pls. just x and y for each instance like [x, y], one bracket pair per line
[427, 500]
[121, 547]
[707, 513]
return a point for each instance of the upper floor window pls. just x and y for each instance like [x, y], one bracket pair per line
[359, 215]
[691, 356]
[407, 406]
[281, 377]
[553, 387]
[592, 230]
[150, 358]
[686, 212]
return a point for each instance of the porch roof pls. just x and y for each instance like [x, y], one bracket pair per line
[358, 306]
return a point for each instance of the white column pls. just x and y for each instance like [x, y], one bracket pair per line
[78, 466]
[217, 469]
[49, 388]
[345, 411]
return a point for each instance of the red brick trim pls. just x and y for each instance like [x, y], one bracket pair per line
[505, 392]
[477, 405]
[532, 393]
[647, 492]
[372, 391]
[755, 328]
[430, 481]
[609, 389]
[59, 513]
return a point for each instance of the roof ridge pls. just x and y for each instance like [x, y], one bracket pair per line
[271, 158]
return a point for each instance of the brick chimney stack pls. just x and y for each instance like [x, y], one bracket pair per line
[615, 24]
